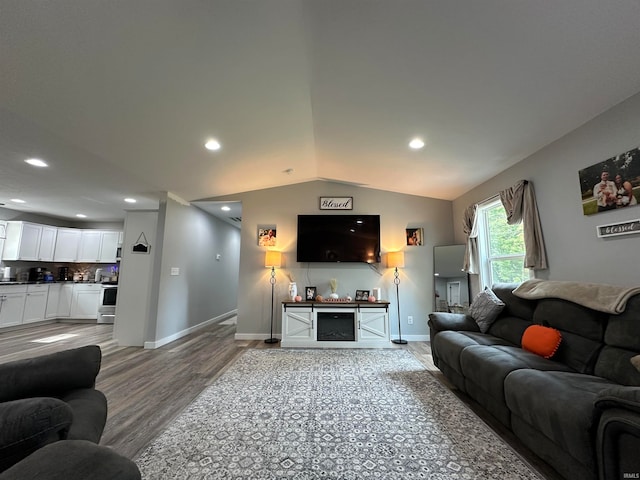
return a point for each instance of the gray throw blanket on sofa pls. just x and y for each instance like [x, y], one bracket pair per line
[603, 298]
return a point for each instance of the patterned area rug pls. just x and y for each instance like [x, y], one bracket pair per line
[329, 414]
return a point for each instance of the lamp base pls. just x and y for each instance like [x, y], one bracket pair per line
[272, 340]
[399, 341]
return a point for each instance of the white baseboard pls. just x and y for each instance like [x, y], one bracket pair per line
[187, 331]
[254, 336]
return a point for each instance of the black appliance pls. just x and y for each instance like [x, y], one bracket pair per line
[63, 274]
[339, 238]
[36, 274]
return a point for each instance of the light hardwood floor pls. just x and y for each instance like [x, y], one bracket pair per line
[146, 389]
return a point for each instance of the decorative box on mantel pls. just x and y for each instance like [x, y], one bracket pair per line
[335, 324]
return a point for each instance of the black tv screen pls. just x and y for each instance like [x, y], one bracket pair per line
[339, 238]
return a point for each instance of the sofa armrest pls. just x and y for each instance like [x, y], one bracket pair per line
[618, 444]
[440, 321]
[30, 424]
[73, 460]
[50, 375]
[619, 396]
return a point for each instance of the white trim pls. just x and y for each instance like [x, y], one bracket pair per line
[263, 336]
[187, 331]
[254, 336]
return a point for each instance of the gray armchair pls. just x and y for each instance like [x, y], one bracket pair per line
[52, 418]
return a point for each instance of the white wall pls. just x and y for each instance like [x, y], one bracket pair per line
[281, 206]
[155, 307]
[574, 251]
[206, 288]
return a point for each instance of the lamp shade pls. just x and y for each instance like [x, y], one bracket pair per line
[395, 259]
[272, 258]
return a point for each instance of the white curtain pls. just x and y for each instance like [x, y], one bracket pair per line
[470, 228]
[519, 202]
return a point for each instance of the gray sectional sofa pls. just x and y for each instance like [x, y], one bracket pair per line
[578, 410]
[52, 418]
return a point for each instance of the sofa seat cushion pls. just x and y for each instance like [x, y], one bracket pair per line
[488, 366]
[560, 405]
[89, 407]
[449, 344]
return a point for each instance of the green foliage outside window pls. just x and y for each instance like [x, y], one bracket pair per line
[506, 248]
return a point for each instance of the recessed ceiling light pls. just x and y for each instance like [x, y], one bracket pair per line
[17, 200]
[130, 200]
[416, 144]
[81, 215]
[212, 144]
[36, 162]
[225, 208]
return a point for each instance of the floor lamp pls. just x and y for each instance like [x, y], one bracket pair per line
[272, 259]
[396, 260]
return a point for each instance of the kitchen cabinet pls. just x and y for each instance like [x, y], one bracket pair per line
[64, 302]
[85, 300]
[29, 241]
[109, 247]
[35, 303]
[67, 243]
[12, 298]
[98, 246]
[53, 299]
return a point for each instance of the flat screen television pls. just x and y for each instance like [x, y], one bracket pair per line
[339, 238]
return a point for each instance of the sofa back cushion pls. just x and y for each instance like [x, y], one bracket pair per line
[514, 306]
[509, 328]
[582, 331]
[622, 338]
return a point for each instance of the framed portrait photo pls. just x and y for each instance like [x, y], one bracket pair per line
[310, 293]
[415, 236]
[267, 235]
[362, 295]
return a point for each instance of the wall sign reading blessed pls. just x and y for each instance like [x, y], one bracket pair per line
[624, 228]
[336, 203]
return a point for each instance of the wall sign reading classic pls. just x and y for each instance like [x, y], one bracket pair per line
[624, 228]
[336, 203]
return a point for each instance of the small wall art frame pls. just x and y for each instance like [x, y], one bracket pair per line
[267, 235]
[415, 237]
[615, 229]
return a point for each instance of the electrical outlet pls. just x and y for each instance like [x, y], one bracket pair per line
[175, 271]
[410, 320]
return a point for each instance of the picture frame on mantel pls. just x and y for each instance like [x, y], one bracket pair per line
[336, 203]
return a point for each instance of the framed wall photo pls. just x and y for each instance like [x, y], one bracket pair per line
[310, 293]
[267, 235]
[612, 184]
[415, 236]
[362, 295]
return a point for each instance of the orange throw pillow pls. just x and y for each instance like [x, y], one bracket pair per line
[543, 341]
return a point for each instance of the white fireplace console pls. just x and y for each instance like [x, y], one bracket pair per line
[335, 324]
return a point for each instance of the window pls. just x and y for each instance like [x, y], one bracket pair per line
[501, 246]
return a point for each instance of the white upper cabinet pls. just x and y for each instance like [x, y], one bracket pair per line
[98, 246]
[89, 250]
[109, 247]
[29, 241]
[46, 243]
[67, 245]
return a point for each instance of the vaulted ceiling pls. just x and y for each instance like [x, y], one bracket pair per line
[120, 96]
